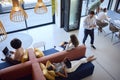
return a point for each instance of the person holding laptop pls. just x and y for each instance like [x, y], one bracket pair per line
[17, 55]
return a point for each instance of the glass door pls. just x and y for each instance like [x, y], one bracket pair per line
[74, 14]
[70, 14]
[84, 7]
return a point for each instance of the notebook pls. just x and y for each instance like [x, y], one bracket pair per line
[6, 51]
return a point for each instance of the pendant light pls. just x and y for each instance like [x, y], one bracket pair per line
[3, 34]
[40, 7]
[17, 14]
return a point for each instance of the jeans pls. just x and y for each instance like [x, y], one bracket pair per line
[90, 33]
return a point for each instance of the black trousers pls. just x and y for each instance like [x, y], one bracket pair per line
[10, 60]
[90, 33]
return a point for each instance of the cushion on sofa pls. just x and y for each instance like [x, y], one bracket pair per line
[38, 53]
[25, 56]
[50, 75]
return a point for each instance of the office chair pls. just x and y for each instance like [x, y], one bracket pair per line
[113, 29]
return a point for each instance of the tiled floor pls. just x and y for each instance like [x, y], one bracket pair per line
[107, 65]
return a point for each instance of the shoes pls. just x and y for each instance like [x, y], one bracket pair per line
[93, 46]
[83, 44]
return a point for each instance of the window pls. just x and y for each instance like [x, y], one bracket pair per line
[87, 3]
[33, 19]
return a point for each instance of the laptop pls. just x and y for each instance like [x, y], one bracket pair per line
[6, 52]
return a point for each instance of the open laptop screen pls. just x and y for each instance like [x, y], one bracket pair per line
[5, 51]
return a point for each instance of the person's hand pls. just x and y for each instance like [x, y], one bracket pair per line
[90, 26]
[93, 25]
[12, 52]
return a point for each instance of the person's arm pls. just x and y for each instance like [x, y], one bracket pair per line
[69, 46]
[64, 74]
[106, 17]
[12, 52]
[93, 23]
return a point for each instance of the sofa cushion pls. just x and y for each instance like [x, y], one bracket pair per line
[38, 53]
[50, 75]
[25, 57]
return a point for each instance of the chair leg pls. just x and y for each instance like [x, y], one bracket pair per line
[44, 47]
[98, 31]
[101, 30]
[112, 36]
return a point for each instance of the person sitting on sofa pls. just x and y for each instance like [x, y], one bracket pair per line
[73, 42]
[16, 56]
[67, 66]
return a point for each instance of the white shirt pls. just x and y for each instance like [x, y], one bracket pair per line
[102, 16]
[69, 46]
[75, 64]
[89, 22]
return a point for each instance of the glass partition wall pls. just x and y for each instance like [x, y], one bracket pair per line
[34, 20]
[70, 14]
[73, 21]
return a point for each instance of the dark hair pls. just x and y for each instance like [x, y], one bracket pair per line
[92, 12]
[16, 43]
[67, 63]
[74, 40]
[104, 9]
[101, 0]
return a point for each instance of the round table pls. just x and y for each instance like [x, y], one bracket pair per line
[24, 37]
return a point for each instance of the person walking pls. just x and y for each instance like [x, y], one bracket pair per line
[89, 24]
[96, 6]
